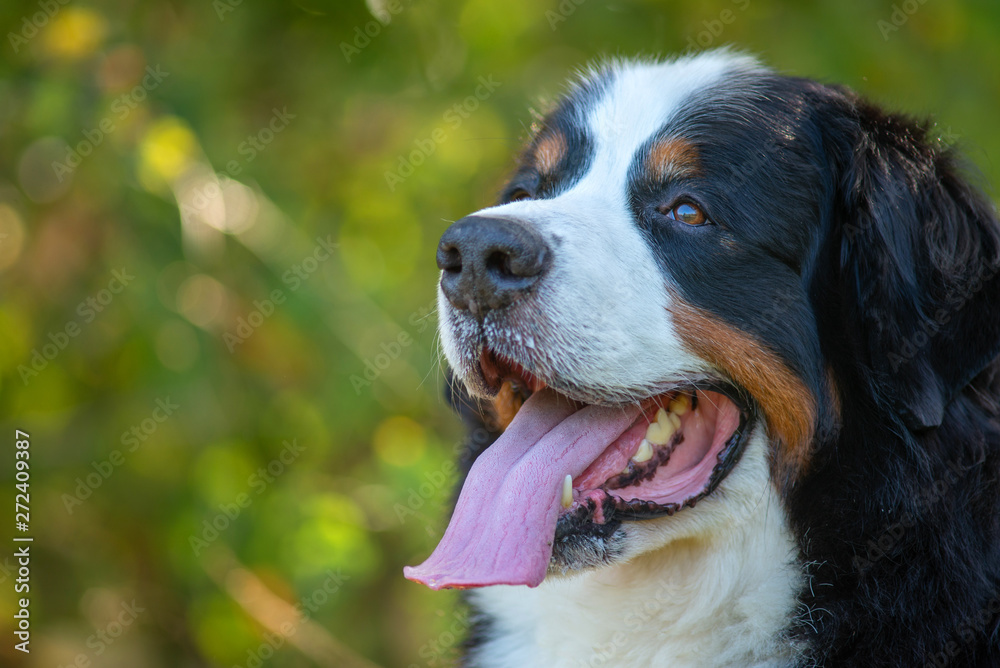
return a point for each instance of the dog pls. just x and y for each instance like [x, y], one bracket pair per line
[727, 347]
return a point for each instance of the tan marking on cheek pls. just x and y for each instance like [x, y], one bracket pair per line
[672, 158]
[549, 152]
[789, 407]
[506, 405]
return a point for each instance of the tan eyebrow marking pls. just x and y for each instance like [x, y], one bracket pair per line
[672, 158]
[549, 152]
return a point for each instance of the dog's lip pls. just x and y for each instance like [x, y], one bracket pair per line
[495, 369]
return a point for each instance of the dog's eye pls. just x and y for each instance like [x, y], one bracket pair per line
[518, 195]
[686, 213]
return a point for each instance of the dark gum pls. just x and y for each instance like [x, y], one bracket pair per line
[616, 509]
[646, 470]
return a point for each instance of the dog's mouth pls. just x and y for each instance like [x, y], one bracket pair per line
[673, 454]
[563, 468]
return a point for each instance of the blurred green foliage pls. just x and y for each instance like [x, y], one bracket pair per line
[248, 418]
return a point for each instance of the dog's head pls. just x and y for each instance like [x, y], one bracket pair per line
[698, 271]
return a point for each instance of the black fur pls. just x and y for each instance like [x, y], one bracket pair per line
[899, 519]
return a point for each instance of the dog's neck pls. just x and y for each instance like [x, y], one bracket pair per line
[721, 598]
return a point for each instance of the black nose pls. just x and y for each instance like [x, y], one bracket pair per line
[487, 263]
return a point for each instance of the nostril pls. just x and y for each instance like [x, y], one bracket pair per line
[515, 260]
[449, 259]
[499, 263]
[519, 262]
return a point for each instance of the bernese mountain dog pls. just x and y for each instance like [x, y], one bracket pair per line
[727, 347]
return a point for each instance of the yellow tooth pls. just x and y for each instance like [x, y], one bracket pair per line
[661, 431]
[654, 432]
[567, 491]
[661, 416]
[675, 421]
[680, 404]
[645, 452]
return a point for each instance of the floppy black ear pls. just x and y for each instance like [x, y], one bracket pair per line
[919, 265]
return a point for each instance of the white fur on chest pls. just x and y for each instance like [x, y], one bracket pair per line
[720, 592]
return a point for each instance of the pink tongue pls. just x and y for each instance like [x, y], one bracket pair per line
[502, 528]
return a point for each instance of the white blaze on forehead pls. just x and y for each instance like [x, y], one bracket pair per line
[641, 99]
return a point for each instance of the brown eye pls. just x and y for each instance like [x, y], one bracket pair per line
[518, 195]
[685, 213]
